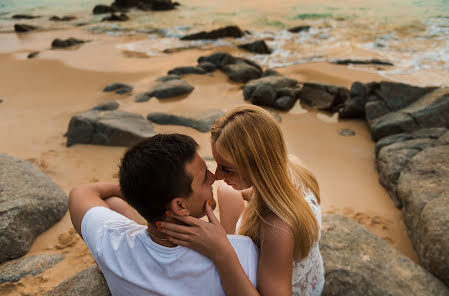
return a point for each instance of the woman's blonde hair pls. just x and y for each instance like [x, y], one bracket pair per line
[250, 138]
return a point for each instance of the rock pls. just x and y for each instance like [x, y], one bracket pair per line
[1, 100]
[423, 187]
[159, 5]
[100, 9]
[14, 270]
[187, 70]
[241, 72]
[30, 204]
[59, 43]
[346, 132]
[122, 17]
[363, 62]
[106, 106]
[201, 121]
[275, 81]
[24, 16]
[62, 19]
[145, 4]
[32, 54]
[258, 46]
[22, 28]
[299, 29]
[229, 31]
[219, 59]
[443, 140]
[86, 282]
[171, 88]
[142, 97]
[284, 103]
[354, 106]
[431, 110]
[208, 67]
[169, 77]
[323, 97]
[119, 88]
[357, 262]
[110, 128]
[269, 72]
[263, 95]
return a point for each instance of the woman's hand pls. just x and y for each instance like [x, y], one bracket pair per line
[207, 238]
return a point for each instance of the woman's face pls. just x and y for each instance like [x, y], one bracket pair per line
[227, 172]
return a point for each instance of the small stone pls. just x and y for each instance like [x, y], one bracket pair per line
[119, 88]
[62, 19]
[346, 132]
[258, 46]
[22, 28]
[59, 43]
[142, 97]
[299, 29]
[106, 106]
[116, 18]
[24, 16]
[33, 54]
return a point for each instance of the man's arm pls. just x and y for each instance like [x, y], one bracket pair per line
[86, 196]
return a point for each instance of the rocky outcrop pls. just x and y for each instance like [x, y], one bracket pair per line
[171, 88]
[106, 106]
[14, 270]
[241, 71]
[110, 128]
[201, 121]
[357, 262]
[22, 28]
[100, 9]
[30, 204]
[323, 97]
[59, 43]
[299, 29]
[119, 88]
[187, 70]
[229, 31]
[274, 91]
[258, 46]
[122, 17]
[363, 62]
[87, 282]
[145, 5]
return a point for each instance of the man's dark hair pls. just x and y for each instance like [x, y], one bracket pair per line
[153, 172]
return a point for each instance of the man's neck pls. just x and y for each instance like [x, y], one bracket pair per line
[159, 237]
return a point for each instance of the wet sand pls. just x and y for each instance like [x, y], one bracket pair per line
[42, 94]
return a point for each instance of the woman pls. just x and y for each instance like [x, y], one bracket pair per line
[282, 217]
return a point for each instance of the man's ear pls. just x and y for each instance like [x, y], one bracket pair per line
[179, 207]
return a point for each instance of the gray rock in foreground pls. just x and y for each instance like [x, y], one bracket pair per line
[201, 121]
[30, 203]
[171, 88]
[357, 262]
[110, 128]
[87, 282]
[323, 97]
[14, 270]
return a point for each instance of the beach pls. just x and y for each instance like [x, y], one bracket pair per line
[40, 96]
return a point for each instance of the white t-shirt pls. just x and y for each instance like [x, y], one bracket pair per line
[133, 264]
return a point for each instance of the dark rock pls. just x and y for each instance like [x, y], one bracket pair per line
[258, 46]
[284, 103]
[299, 29]
[1, 100]
[24, 16]
[59, 43]
[116, 18]
[269, 72]
[119, 88]
[87, 282]
[160, 5]
[171, 88]
[363, 62]
[142, 97]
[30, 204]
[346, 132]
[241, 72]
[375, 108]
[169, 77]
[357, 262]
[423, 187]
[33, 54]
[145, 5]
[354, 106]
[62, 19]
[230, 31]
[275, 81]
[443, 140]
[109, 128]
[100, 9]
[201, 121]
[219, 59]
[14, 270]
[180, 48]
[207, 66]
[323, 97]
[21, 28]
[187, 70]
[106, 106]
[263, 95]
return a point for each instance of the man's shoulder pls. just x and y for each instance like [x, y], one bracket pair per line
[242, 242]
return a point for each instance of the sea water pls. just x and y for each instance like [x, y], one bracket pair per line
[411, 34]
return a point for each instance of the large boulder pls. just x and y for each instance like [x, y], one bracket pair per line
[323, 97]
[423, 188]
[357, 262]
[110, 128]
[201, 121]
[30, 203]
[229, 31]
[171, 88]
[354, 106]
[87, 282]
[14, 270]
[258, 46]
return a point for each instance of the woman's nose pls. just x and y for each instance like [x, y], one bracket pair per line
[218, 173]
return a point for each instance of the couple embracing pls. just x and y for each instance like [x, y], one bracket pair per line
[266, 242]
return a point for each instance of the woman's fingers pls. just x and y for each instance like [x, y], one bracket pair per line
[178, 242]
[210, 214]
[174, 227]
[176, 235]
[189, 220]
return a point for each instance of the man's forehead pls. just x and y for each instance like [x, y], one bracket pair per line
[197, 167]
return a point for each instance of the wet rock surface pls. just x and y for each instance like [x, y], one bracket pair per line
[258, 46]
[363, 62]
[201, 121]
[14, 270]
[119, 88]
[110, 128]
[60, 43]
[106, 106]
[22, 28]
[230, 31]
[357, 262]
[171, 88]
[30, 204]
[323, 97]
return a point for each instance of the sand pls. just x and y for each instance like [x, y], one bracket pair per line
[42, 94]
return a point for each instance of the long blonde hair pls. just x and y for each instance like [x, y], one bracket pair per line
[250, 138]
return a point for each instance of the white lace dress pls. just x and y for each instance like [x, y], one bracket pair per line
[307, 274]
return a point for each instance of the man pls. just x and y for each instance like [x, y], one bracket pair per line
[163, 174]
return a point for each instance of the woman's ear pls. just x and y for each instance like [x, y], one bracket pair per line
[179, 206]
